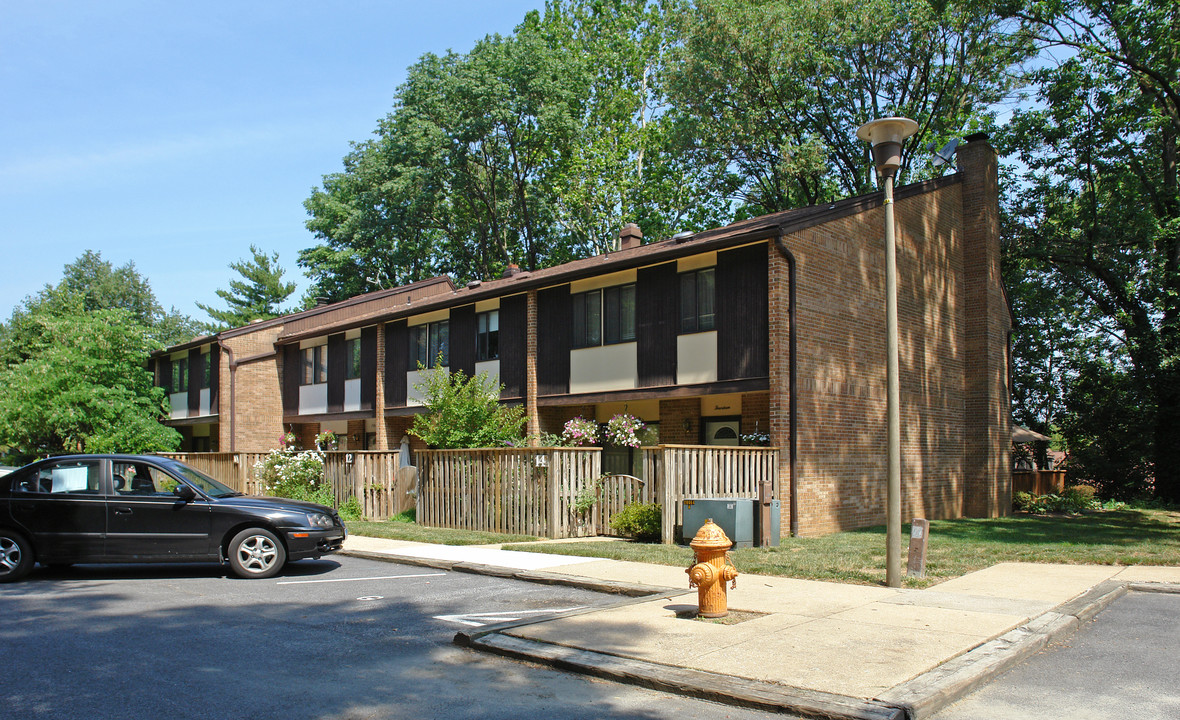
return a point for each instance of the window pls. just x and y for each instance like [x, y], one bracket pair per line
[69, 476]
[141, 479]
[352, 359]
[206, 370]
[697, 312]
[428, 343]
[604, 317]
[178, 383]
[487, 336]
[315, 365]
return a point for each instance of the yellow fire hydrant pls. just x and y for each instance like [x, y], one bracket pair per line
[712, 570]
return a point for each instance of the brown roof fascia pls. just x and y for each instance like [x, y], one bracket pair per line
[195, 342]
[739, 233]
[334, 307]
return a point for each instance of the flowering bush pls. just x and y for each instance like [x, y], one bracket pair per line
[288, 473]
[756, 438]
[623, 429]
[579, 431]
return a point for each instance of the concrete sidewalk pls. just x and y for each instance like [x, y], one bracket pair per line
[807, 647]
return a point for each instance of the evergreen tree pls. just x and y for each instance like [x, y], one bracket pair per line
[257, 296]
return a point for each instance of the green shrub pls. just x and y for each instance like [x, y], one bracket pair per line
[351, 509]
[641, 521]
[1023, 501]
[1080, 497]
[289, 473]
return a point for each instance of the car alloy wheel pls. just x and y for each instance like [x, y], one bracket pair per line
[16, 557]
[256, 553]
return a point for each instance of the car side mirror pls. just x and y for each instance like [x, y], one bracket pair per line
[184, 492]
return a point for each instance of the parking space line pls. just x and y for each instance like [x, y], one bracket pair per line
[337, 580]
[489, 618]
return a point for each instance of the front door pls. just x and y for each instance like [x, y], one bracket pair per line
[722, 432]
[145, 520]
[63, 508]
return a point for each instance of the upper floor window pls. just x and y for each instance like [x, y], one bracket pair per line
[430, 343]
[487, 336]
[178, 383]
[604, 317]
[697, 309]
[315, 365]
[352, 358]
[206, 370]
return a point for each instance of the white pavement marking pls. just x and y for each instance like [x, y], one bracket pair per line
[498, 617]
[382, 577]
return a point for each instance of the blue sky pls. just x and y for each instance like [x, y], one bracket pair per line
[175, 134]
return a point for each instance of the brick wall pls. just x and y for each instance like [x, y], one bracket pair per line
[841, 366]
[257, 407]
[553, 418]
[673, 417]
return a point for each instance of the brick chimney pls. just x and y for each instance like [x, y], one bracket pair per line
[630, 237]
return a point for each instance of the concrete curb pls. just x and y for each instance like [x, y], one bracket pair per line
[914, 699]
[931, 691]
[725, 689]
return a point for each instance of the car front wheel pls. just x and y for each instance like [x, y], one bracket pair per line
[256, 553]
[16, 556]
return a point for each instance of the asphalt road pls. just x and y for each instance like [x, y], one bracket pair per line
[1122, 664]
[335, 638]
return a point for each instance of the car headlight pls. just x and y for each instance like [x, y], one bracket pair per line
[320, 520]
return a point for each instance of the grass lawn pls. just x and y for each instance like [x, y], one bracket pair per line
[1122, 537]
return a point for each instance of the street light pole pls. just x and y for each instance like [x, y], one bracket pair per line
[886, 136]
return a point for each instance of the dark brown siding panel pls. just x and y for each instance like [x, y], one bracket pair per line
[656, 298]
[214, 378]
[743, 345]
[368, 368]
[553, 340]
[194, 382]
[291, 375]
[513, 343]
[396, 360]
[337, 359]
[462, 338]
[165, 374]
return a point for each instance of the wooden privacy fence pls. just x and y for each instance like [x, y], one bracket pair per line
[1038, 482]
[370, 476]
[685, 472]
[526, 491]
[233, 469]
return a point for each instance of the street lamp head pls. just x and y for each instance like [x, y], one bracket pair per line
[886, 136]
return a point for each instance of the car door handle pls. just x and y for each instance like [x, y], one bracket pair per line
[122, 511]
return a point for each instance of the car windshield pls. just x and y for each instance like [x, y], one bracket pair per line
[206, 484]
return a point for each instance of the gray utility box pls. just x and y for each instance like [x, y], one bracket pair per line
[738, 517]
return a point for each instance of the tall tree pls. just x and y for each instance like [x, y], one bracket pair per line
[257, 296]
[91, 284]
[770, 92]
[1099, 212]
[83, 388]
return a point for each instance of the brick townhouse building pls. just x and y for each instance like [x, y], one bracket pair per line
[772, 325]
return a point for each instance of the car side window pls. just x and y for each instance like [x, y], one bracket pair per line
[141, 479]
[73, 477]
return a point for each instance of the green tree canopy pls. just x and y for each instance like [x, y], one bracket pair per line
[83, 388]
[1096, 215]
[258, 295]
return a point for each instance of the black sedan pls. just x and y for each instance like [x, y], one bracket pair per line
[142, 508]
